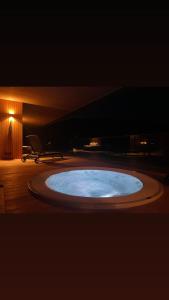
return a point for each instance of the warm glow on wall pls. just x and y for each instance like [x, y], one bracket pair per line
[10, 129]
[11, 112]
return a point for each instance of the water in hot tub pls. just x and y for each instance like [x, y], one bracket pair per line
[94, 183]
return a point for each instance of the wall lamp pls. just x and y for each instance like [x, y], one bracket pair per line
[11, 115]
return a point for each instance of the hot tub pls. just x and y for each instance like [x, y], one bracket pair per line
[95, 188]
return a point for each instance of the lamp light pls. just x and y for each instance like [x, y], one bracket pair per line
[11, 119]
[11, 112]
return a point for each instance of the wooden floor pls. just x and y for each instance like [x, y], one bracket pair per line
[2, 200]
[14, 176]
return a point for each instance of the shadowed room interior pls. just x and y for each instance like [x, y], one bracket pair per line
[92, 127]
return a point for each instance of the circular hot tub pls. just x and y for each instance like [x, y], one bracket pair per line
[95, 188]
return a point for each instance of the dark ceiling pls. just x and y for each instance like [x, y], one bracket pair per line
[43, 105]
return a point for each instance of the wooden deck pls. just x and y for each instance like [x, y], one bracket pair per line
[14, 176]
[2, 200]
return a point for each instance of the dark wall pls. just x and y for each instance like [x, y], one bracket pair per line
[132, 104]
[127, 111]
[27, 130]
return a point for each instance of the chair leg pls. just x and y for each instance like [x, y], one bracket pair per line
[23, 159]
[37, 160]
